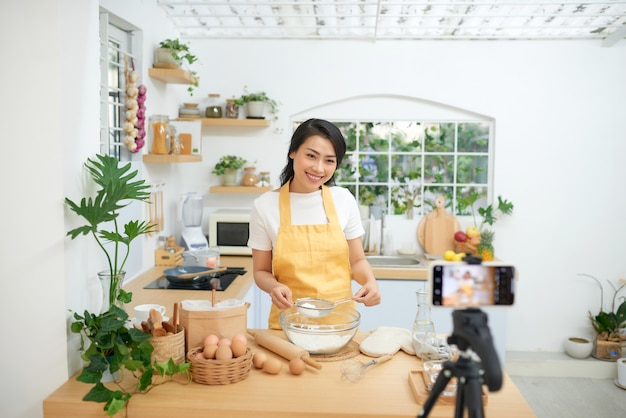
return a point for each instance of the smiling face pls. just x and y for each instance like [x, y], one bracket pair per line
[314, 163]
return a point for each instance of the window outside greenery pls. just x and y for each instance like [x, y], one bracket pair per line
[396, 164]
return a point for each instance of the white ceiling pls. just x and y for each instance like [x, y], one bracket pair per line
[375, 20]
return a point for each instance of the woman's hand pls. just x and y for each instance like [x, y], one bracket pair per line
[281, 296]
[368, 294]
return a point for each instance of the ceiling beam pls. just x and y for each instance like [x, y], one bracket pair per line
[615, 37]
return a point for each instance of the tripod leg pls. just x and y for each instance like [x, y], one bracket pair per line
[473, 398]
[442, 381]
[459, 407]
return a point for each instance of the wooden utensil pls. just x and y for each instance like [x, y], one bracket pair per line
[282, 347]
[199, 273]
[145, 327]
[175, 315]
[156, 320]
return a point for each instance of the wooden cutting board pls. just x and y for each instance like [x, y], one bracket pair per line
[435, 231]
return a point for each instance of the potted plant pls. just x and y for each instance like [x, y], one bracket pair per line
[172, 53]
[113, 345]
[117, 190]
[478, 238]
[227, 167]
[255, 103]
[609, 324]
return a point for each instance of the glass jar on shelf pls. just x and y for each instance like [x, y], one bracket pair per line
[264, 178]
[214, 109]
[249, 177]
[232, 110]
[159, 129]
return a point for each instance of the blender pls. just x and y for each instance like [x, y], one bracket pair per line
[190, 214]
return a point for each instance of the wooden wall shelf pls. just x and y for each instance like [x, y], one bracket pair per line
[260, 123]
[159, 158]
[239, 189]
[174, 76]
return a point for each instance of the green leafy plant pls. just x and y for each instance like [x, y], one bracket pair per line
[258, 97]
[608, 323]
[489, 213]
[182, 55]
[228, 162]
[116, 347]
[117, 189]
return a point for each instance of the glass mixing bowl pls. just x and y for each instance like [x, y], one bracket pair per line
[325, 335]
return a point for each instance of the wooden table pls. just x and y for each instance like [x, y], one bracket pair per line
[383, 392]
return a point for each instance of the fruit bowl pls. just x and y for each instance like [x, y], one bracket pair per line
[325, 335]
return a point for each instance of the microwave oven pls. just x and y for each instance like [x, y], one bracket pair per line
[229, 230]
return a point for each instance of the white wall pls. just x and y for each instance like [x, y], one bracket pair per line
[559, 121]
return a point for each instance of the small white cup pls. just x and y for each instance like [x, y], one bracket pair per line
[621, 371]
[142, 312]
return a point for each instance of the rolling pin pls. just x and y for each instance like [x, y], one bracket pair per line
[282, 347]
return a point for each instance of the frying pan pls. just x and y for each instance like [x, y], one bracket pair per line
[189, 274]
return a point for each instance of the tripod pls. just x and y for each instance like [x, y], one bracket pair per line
[470, 331]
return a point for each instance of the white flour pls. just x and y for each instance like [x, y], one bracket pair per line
[320, 343]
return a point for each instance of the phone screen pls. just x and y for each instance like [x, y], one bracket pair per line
[472, 285]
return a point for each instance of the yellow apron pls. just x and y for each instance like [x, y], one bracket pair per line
[313, 260]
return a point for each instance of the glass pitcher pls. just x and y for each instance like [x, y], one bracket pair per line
[424, 338]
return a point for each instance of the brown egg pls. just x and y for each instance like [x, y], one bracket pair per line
[199, 355]
[209, 351]
[224, 341]
[239, 337]
[296, 366]
[272, 366]
[211, 339]
[259, 359]
[238, 348]
[223, 352]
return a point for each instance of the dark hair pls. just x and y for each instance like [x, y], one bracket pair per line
[307, 129]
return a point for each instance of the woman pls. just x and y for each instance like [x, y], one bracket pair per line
[306, 236]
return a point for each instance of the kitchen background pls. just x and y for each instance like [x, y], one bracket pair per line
[560, 123]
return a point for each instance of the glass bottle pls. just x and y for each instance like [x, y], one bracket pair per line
[214, 110]
[159, 134]
[423, 327]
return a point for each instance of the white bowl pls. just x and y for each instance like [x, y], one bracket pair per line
[578, 347]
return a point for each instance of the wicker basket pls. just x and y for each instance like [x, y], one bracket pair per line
[169, 346]
[219, 372]
[465, 247]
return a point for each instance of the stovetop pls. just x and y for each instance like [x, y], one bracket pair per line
[217, 281]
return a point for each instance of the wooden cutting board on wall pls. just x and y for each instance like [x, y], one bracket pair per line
[435, 231]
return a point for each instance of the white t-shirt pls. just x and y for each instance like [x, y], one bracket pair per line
[306, 209]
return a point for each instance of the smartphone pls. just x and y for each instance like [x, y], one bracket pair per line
[472, 285]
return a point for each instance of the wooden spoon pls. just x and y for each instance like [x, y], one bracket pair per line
[199, 273]
[157, 326]
[173, 322]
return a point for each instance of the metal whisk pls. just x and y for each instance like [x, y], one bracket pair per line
[354, 369]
